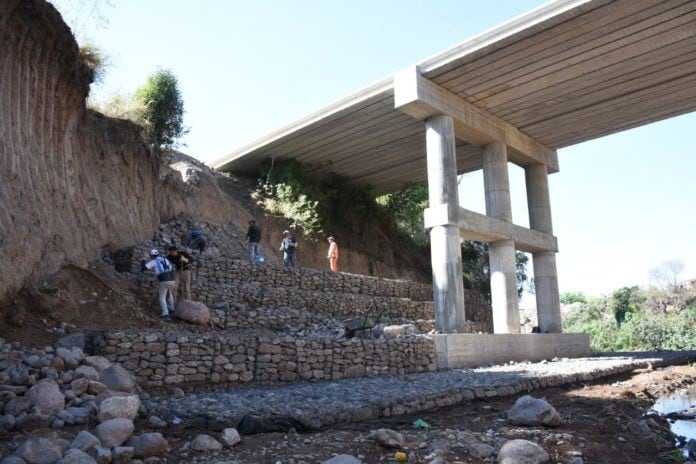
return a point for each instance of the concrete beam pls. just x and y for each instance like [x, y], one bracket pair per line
[479, 227]
[421, 98]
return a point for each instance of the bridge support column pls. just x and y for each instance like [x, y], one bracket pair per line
[446, 255]
[545, 274]
[501, 254]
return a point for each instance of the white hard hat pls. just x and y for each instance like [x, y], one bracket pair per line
[154, 252]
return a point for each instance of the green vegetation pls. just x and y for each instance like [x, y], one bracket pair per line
[629, 321]
[320, 202]
[573, 297]
[161, 108]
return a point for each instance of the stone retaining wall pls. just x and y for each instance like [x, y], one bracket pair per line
[157, 358]
[218, 280]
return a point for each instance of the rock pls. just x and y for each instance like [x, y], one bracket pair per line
[70, 358]
[205, 443]
[114, 432]
[79, 386]
[119, 406]
[57, 423]
[576, 460]
[481, 450]
[387, 438]
[84, 441]
[39, 451]
[122, 454]
[75, 456]
[522, 452]
[18, 405]
[157, 423]
[101, 454]
[7, 422]
[230, 437]
[178, 393]
[33, 421]
[532, 411]
[117, 378]
[94, 388]
[78, 416]
[193, 312]
[148, 444]
[343, 459]
[46, 397]
[395, 331]
[72, 340]
[106, 394]
[97, 362]
[86, 372]
[13, 460]
[438, 460]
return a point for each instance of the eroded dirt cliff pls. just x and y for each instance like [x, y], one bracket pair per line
[75, 184]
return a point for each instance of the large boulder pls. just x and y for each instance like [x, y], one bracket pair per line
[395, 331]
[388, 438]
[39, 451]
[230, 437]
[148, 444]
[78, 415]
[116, 377]
[533, 411]
[343, 459]
[205, 443]
[97, 362]
[119, 406]
[114, 432]
[522, 452]
[84, 441]
[75, 456]
[46, 397]
[87, 372]
[193, 312]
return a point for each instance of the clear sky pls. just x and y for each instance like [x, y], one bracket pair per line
[622, 205]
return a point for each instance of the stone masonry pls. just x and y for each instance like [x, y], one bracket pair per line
[158, 358]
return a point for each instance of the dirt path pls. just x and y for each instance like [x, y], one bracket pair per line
[600, 425]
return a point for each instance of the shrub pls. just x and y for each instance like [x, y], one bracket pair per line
[573, 297]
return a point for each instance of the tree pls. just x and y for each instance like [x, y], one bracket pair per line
[161, 108]
[406, 206]
[666, 276]
[624, 301]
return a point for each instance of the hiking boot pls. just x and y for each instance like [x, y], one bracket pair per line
[165, 317]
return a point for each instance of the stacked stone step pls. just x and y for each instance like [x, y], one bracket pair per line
[221, 281]
[165, 358]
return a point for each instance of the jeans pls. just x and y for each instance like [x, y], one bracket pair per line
[254, 251]
[288, 259]
[183, 284]
[166, 292]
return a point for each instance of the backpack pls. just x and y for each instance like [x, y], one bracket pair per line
[167, 274]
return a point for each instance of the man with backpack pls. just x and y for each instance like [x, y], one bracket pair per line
[164, 271]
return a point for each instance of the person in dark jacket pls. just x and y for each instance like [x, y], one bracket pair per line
[182, 265]
[196, 240]
[253, 236]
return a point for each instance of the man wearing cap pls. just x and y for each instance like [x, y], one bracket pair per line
[333, 254]
[182, 271]
[165, 276]
[288, 246]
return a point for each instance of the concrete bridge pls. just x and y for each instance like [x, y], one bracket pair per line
[567, 72]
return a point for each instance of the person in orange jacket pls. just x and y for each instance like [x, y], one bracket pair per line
[333, 254]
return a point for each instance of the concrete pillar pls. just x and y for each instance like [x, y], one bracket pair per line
[501, 255]
[545, 274]
[445, 249]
